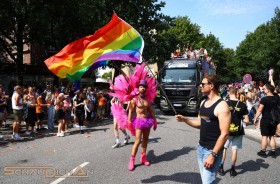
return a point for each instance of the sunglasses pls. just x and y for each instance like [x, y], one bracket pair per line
[203, 84]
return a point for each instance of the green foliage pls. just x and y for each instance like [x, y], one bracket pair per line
[107, 75]
[52, 24]
[260, 50]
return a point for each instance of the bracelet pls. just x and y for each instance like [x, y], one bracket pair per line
[214, 154]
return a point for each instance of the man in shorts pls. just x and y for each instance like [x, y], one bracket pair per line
[236, 131]
[17, 105]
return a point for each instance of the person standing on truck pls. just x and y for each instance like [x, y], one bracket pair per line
[213, 121]
[191, 53]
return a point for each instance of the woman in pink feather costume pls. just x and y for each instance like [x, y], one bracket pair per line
[120, 120]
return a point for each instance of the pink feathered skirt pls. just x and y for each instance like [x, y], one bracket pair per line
[142, 123]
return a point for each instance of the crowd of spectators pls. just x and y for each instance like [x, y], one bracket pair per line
[42, 108]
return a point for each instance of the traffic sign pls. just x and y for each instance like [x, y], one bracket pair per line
[247, 78]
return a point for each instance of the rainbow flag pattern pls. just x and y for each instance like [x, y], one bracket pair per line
[115, 41]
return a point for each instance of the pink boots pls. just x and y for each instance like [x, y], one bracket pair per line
[143, 159]
[131, 163]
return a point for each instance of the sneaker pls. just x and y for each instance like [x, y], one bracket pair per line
[27, 133]
[232, 172]
[117, 145]
[221, 170]
[13, 136]
[126, 140]
[18, 137]
[81, 132]
[272, 154]
[262, 154]
[60, 134]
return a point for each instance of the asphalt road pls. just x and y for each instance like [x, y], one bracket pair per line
[171, 150]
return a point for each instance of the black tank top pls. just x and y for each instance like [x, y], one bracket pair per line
[209, 130]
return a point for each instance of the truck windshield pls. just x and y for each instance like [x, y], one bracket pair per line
[179, 75]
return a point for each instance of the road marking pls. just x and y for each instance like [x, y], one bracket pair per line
[68, 174]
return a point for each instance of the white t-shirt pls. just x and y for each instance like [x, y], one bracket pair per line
[14, 102]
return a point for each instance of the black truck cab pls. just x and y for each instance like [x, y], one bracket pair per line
[180, 79]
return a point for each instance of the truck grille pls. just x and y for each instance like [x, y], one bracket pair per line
[174, 92]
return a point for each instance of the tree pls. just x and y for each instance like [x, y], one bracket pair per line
[260, 50]
[14, 16]
[107, 75]
[53, 24]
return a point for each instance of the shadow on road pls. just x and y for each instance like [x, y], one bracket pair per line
[183, 177]
[168, 156]
[251, 166]
[154, 140]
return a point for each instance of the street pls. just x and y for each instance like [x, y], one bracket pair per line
[171, 150]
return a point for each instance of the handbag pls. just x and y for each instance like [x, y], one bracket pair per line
[233, 129]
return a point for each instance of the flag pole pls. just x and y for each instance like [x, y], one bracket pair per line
[163, 91]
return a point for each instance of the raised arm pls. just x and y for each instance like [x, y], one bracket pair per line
[192, 123]
[188, 121]
[272, 81]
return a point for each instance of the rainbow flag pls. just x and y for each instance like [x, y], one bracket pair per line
[115, 41]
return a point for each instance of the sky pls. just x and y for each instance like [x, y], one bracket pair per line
[229, 20]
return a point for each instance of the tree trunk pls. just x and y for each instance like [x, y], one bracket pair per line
[55, 80]
[19, 59]
[118, 66]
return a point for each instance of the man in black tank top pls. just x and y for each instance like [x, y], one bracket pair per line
[213, 121]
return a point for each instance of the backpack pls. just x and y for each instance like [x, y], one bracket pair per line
[275, 113]
[235, 127]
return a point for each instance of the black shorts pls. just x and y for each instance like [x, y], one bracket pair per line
[60, 114]
[31, 116]
[267, 129]
[40, 116]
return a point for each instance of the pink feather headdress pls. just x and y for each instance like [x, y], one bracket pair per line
[126, 88]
